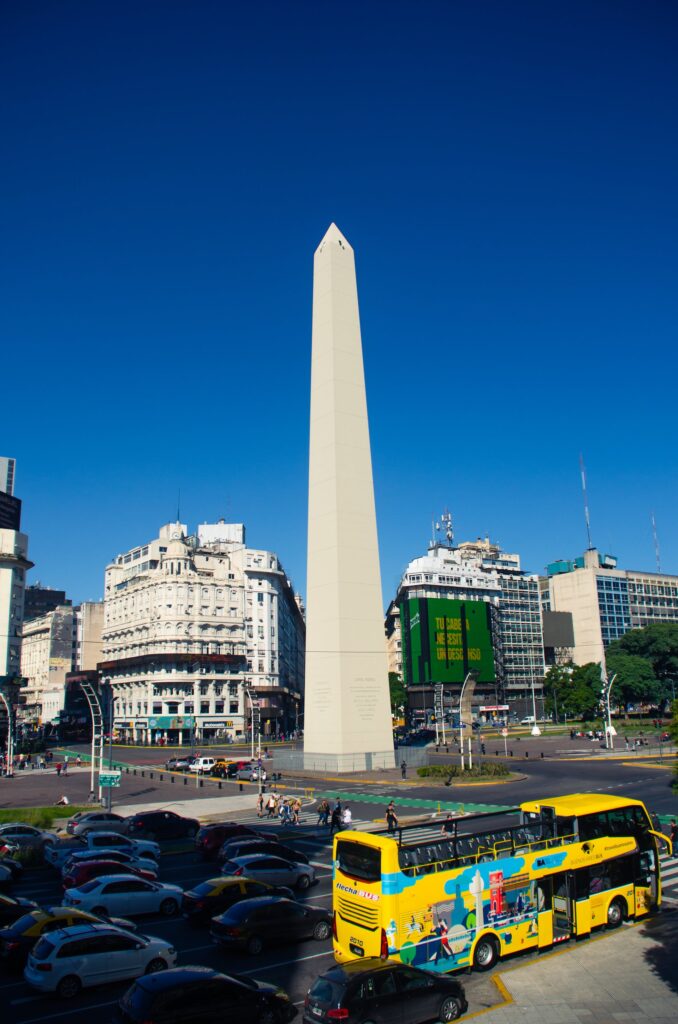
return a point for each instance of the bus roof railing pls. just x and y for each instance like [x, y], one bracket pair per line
[405, 831]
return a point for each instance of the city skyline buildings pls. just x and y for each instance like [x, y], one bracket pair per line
[513, 199]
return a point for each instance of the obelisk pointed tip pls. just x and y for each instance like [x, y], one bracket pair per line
[334, 236]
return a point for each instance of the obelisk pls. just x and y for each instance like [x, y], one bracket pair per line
[347, 724]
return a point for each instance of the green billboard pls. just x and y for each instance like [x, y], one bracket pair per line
[443, 640]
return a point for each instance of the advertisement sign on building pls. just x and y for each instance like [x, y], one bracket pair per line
[445, 639]
[171, 722]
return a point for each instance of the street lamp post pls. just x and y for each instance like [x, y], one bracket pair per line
[536, 731]
[10, 735]
[605, 691]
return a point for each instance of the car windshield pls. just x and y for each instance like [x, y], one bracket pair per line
[20, 926]
[204, 889]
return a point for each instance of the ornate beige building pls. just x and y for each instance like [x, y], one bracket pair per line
[194, 629]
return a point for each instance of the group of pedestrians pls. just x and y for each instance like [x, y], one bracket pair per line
[336, 818]
[287, 810]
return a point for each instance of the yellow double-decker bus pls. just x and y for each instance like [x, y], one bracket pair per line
[481, 888]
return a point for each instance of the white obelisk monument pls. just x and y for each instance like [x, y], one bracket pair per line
[347, 724]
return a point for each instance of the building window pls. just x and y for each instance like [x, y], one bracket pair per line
[204, 707]
[233, 708]
[188, 709]
[157, 709]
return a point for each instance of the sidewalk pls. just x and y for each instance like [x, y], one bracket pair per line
[630, 976]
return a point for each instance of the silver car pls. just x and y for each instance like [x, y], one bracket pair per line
[265, 867]
[26, 837]
[95, 821]
[125, 894]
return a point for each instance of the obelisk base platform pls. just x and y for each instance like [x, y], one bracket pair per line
[348, 762]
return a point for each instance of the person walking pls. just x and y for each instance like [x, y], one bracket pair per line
[323, 812]
[58, 768]
[296, 810]
[673, 836]
[335, 821]
[270, 805]
[260, 805]
[78, 761]
[403, 769]
[391, 818]
[347, 819]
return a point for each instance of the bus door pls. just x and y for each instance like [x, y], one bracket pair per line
[647, 879]
[563, 905]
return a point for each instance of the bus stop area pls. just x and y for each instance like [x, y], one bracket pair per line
[628, 976]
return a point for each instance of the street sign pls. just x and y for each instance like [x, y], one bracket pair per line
[110, 778]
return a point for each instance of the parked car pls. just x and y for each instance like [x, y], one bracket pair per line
[95, 821]
[17, 940]
[161, 825]
[58, 853]
[225, 770]
[251, 773]
[528, 720]
[10, 870]
[382, 991]
[210, 837]
[14, 907]
[115, 841]
[125, 894]
[94, 954]
[242, 845]
[26, 837]
[202, 996]
[200, 904]
[119, 856]
[81, 873]
[252, 924]
[202, 765]
[263, 867]
[178, 764]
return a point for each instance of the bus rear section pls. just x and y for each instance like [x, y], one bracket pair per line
[359, 901]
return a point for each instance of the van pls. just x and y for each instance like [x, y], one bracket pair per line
[528, 720]
[202, 765]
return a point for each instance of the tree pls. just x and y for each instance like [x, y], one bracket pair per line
[582, 698]
[557, 682]
[397, 691]
[635, 680]
[658, 644]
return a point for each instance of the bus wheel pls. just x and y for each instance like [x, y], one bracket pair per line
[485, 954]
[615, 914]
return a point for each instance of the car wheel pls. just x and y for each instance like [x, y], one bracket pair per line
[100, 911]
[321, 931]
[615, 914]
[303, 882]
[158, 964]
[69, 986]
[169, 908]
[450, 1009]
[255, 945]
[485, 954]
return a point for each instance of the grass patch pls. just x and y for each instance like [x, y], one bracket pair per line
[41, 817]
[486, 770]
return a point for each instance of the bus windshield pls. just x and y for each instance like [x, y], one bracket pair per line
[358, 861]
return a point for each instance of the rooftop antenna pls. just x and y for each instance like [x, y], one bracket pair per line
[656, 542]
[446, 520]
[179, 506]
[586, 500]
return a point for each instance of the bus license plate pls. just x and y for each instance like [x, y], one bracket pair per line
[356, 949]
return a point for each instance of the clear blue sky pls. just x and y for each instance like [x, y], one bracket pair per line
[506, 173]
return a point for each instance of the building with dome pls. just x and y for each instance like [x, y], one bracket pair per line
[199, 630]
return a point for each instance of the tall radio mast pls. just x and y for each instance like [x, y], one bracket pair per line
[586, 500]
[656, 542]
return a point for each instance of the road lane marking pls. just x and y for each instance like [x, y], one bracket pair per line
[283, 963]
[67, 1013]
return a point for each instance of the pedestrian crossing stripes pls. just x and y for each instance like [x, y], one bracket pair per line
[668, 867]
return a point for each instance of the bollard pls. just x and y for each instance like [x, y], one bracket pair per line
[219, 785]
[127, 771]
[171, 778]
[200, 783]
[496, 753]
[150, 775]
[510, 753]
[240, 786]
[185, 781]
[527, 753]
[447, 750]
[143, 775]
[542, 755]
[161, 777]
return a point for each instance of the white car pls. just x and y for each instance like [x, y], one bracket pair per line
[202, 765]
[72, 958]
[115, 841]
[121, 856]
[125, 895]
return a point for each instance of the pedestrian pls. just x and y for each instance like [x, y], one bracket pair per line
[260, 805]
[58, 768]
[296, 810]
[270, 806]
[62, 801]
[673, 836]
[43, 763]
[335, 821]
[78, 761]
[391, 818]
[347, 819]
[323, 812]
[403, 769]
[65, 766]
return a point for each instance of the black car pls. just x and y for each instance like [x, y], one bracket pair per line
[161, 825]
[199, 995]
[242, 845]
[382, 991]
[252, 924]
[14, 907]
[210, 837]
[200, 904]
[226, 771]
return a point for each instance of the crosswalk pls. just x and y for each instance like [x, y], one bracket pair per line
[669, 875]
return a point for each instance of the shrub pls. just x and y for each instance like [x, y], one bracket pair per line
[486, 770]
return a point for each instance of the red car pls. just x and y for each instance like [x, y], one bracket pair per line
[210, 837]
[85, 872]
